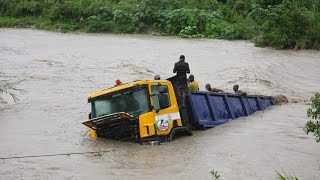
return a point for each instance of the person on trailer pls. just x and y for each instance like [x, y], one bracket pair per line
[182, 69]
[157, 77]
[216, 90]
[118, 82]
[193, 86]
[237, 91]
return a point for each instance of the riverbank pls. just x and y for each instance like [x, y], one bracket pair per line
[288, 24]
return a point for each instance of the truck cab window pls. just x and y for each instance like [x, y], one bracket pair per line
[131, 101]
[160, 97]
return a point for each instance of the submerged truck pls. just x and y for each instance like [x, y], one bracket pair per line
[148, 110]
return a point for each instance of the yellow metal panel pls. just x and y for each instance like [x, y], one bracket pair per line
[170, 110]
[93, 134]
[179, 122]
[146, 125]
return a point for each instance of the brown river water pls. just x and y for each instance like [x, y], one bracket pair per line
[60, 70]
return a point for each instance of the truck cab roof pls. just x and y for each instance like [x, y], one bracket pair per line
[123, 86]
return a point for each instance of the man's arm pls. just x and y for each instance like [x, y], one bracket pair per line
[217, 90]
[188, 69]
[242, 93]
[175, 68]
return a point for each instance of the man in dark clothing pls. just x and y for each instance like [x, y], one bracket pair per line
[182, 69]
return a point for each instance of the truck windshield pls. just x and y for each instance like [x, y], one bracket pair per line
[132, 101]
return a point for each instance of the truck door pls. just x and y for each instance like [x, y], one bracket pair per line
[165, 108]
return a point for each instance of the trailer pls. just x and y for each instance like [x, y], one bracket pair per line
[207, 109]
[148, 110]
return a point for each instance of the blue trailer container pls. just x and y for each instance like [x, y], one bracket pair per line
[207, 109]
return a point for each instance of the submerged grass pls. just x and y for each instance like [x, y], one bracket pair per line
[280, 176]
[285, 176]
[215, 175]
[10, 88]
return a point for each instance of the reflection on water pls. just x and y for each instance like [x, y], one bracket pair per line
[60, 70]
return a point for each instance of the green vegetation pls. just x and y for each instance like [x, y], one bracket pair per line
[9, 88]
[282, 24]
[314, 113]
[280, 176]
[285, 176]
[215, 174]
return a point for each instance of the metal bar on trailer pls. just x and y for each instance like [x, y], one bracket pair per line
[226, 100]
[211, 107]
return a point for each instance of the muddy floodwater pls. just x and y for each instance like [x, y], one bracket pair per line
[60, 70]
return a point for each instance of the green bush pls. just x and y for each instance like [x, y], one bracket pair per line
[177, 20]
[124, 22]
[287, 25]
[237, 31]
[16, 8]
[314, 113]
[96, 24]
[282, 24]
[190, 32]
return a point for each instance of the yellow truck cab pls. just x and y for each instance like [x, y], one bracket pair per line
[140, 111]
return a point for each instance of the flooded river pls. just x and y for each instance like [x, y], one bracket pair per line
[60, 70]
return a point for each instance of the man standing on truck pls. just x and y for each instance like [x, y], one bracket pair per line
[182, 69]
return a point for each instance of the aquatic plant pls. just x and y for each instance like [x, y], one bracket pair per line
[313, 112]
[9, 88]
[280, 176]
[215, 174]
[285, 176]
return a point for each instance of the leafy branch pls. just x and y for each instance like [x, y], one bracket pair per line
[215, 174]
[285, 176]
[10, 88]
[313, 112]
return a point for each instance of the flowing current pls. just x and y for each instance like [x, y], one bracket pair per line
[59, 70]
